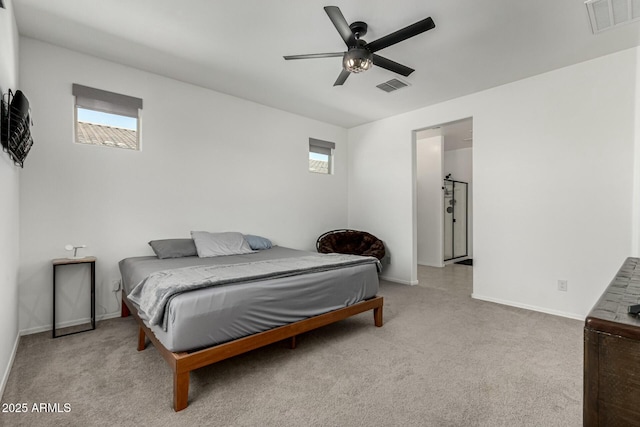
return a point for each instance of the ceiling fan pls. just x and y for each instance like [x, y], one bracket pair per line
[360, 55]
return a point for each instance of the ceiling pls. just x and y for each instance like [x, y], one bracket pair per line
[236, 47]
[455, 135]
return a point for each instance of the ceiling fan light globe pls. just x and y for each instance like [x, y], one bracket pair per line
[357, 60]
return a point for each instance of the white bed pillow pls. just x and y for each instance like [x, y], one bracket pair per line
[219, 244]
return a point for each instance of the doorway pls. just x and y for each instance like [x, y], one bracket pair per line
[444, 193]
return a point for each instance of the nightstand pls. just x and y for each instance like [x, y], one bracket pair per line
[71, 261]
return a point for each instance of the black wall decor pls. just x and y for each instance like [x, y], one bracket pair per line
[15, 119]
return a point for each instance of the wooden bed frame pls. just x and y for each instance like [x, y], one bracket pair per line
[184, 362]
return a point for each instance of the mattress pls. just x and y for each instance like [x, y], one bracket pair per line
[210, 316]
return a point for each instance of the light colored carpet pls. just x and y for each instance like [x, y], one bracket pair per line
[441, 359]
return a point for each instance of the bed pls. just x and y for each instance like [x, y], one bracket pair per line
[211, 323]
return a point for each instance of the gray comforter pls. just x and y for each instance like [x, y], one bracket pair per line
[154, 292]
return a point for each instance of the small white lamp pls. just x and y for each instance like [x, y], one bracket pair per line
[75, 250]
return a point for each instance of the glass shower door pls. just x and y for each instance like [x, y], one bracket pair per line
[449, 202]
[455, 219]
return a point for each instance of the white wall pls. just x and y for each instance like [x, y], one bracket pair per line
[459, 163]
[209, 161]
[429, 201]
[636, 168]
[9, 205]
[553, 172]
[381, 191]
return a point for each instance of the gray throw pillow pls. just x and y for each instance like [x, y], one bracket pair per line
[173, 248]
[258, 242]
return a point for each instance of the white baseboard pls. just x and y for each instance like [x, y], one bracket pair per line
[442, 264]
[7, 371]
[109, 316]
[529, 307]
[402, 282]
[38, 329]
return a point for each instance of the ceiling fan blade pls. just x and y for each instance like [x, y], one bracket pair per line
[390, 65]
[342, 78]
[315, 55]
[341, 25]
[402, 34]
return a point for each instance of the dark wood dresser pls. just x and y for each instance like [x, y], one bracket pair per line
[612, 353]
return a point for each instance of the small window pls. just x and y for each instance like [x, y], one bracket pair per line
[321, 156]
[106, 118]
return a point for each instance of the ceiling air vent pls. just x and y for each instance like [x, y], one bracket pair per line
[393, 84]
[606, 14]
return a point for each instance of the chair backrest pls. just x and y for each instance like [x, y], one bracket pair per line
[353, 242]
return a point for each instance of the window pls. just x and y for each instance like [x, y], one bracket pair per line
[106, 118]
[321, 156]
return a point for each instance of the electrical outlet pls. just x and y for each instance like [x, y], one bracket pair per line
[115, 285]
[563, 285]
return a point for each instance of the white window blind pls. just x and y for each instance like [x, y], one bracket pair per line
[105, 101]
[321, 147]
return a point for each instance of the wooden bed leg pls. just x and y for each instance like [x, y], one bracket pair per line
[293, 343]
[124, 311]
[377, 316]
[142, 341]
[180, 390]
